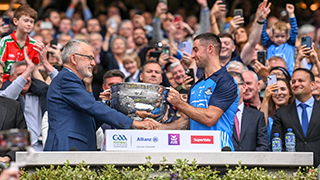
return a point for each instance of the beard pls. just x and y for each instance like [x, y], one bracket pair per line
[85, 72]
[138, 42]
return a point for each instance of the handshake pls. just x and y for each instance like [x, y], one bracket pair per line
[147, 124]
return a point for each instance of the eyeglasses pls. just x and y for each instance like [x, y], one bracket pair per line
[90, 57]
[279, 74]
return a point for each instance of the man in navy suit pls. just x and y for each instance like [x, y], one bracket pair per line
[302, 115]
[249, 130]
[73, 114]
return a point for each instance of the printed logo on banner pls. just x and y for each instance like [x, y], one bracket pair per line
[120, 141]
[201, 139]
[155, 139]
[174, 139]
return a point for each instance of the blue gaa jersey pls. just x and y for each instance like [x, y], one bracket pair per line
[220, 90]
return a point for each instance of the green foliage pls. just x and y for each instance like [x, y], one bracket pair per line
[180, 170]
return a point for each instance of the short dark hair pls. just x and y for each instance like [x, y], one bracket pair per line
[25, 10]
[209, 38]
[148, 62]
[139, 28]
[112, 73]
[222, 35]
[236, 74]
[305, 70]
[48, 12]
[92, 19]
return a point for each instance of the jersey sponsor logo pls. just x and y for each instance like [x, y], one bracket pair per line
[11, 55]
[195, 139]
[208, 91]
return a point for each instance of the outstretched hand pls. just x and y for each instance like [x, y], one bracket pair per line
[217, 7]
[263, 10]
[290, 9]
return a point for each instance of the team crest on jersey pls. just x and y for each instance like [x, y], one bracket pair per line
[208, 91]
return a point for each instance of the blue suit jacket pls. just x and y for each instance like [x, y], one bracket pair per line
[74, 115]
[253, 136]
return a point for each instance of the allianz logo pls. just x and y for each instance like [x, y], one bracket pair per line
[148, 139]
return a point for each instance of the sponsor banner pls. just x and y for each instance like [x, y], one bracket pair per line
[162, 140]
[201, 139]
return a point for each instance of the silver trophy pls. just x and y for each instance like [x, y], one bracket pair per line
[139, 100]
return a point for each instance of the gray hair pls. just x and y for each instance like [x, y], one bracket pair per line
[119, 37]
[95, 33]
[124, 21]
[174, 64]
[254, 75]
[307, 28]
[15, 65]
[236, 65]
[71, 47]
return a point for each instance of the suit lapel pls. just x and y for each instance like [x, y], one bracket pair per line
[314, 116]
[295, 120]
[245, 121]
[3, 112]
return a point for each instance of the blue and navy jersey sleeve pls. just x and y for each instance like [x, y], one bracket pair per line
[225, 93]
[293, 32]
[264, 36]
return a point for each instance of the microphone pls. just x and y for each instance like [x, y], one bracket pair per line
[226, 148]
[73, 149]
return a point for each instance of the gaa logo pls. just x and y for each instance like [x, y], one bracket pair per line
[119, 137]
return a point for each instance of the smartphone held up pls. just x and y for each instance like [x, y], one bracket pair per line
[272, 79]
[262, 56]
[190, 72]
[306, 40]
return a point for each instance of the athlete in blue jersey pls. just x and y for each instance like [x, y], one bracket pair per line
[213, 100]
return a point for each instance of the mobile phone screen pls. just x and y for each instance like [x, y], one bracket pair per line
[306, 41]
[262, 56]
[190, 73]
[187, 47]
[238, 12]
[272, 79]
[6, 20]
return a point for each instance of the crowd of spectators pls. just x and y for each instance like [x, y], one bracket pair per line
[126, 37]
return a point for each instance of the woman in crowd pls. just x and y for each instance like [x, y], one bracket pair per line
[131, 62]
[114, 55]
[241, 37]
[280, 72]
[276, 96]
